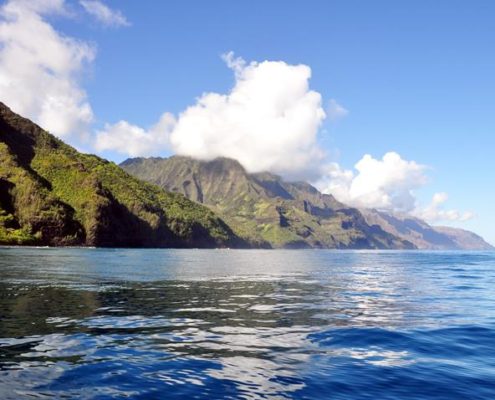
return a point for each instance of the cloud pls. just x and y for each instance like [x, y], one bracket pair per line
[104, 14]
[435, 212]
[40, 68]
[335, 111]
[138, 142]
[388, 184]
[268, 121]
[236, 64]
[43, 7]
[384, 184]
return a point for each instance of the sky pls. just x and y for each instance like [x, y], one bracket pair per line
[384, 104]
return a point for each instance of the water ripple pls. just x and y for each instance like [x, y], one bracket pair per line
[98, 324]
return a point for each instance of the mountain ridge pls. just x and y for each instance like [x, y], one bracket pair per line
[228, 189]
[423, 235]
[51, 194]
[262, 208]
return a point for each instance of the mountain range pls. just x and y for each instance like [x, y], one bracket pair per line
[51, 194]
[423, 235]
[267, 211]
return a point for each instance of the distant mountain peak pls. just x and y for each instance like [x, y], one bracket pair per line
[423, 235]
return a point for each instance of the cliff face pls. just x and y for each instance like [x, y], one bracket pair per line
[262, 208]
[50, 194]
[423, 235]
[464, 239]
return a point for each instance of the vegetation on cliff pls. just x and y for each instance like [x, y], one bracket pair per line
[262, 208]
[51, 194]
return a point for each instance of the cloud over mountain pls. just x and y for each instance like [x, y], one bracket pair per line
[435, 211]
[268, 121]
[387, 184]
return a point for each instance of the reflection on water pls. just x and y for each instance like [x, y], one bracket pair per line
[246, 324]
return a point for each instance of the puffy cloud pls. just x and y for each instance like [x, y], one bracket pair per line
[40, 68]
[268, 121]
[104, 14]
[138, 142]
[435, 212]
[388, 184]
[384, 184]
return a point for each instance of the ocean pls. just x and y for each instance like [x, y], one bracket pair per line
[246, 324]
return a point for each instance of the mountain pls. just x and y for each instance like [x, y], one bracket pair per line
[425, 236]
[51, 194]
[262, 208]
[464, 239]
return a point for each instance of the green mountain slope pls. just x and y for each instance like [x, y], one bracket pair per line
[262, 208]
[50, 194]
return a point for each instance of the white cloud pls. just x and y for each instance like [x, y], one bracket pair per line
[388, 184]
[435, 211]
[385, 184]
[38, 6]
[104, 14]
[40, 68]
[335, 111]
[268, 121]
[138, 142]
[236, 64]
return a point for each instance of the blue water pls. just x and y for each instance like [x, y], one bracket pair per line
[213, 324]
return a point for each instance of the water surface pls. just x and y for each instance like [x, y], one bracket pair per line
[208, 324]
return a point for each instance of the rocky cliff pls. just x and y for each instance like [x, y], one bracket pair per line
[264, 209]
[51, 194]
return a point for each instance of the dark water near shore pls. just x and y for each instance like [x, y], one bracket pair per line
[209, 324]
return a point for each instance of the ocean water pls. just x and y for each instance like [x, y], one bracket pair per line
[247, 324]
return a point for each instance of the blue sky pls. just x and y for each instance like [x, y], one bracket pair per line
[416, 77]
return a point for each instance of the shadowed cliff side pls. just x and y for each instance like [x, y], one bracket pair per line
[50, 194]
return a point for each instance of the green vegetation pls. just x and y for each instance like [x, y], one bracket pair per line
[51, 194]
[9, 234]
[262, 208]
